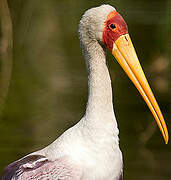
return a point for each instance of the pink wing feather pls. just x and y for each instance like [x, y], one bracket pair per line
[121, 177]
[35, 167]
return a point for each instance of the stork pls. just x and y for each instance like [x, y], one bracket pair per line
[90, 149]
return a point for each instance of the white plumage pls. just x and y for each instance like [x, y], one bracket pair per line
[91, 147]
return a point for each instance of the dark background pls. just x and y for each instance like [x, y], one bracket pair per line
[43, 79]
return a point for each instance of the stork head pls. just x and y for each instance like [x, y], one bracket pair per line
[106, 26]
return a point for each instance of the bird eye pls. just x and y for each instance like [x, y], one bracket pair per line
[112, 26]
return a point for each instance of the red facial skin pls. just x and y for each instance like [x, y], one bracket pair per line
[111, 35]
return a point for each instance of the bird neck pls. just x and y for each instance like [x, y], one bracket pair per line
[99, 105]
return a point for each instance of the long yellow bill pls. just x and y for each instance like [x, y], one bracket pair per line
[125, 54]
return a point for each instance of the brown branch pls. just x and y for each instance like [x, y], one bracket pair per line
[6, 43]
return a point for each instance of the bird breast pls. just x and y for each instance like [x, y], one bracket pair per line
[94, 152]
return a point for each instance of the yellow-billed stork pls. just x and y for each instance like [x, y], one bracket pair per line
[90, 149]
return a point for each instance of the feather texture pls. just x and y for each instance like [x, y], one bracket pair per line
[34, 167]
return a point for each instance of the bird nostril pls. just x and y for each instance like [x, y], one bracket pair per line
[126, 38]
